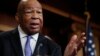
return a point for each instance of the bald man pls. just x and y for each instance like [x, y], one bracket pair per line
[26, 39]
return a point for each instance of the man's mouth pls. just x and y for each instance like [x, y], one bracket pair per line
[34, 25]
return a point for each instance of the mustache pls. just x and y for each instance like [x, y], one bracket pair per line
[34, 23]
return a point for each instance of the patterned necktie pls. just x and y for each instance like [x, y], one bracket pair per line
[28, 51]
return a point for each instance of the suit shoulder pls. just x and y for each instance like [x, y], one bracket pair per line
[4, 34]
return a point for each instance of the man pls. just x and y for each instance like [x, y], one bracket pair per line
[26, 39]
[30, 19]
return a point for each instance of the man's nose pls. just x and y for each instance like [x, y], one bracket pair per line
[34, 15]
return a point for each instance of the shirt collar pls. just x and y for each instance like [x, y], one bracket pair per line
[35, 36]
[23, 34]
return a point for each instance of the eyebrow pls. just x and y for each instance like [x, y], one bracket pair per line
[33, 7]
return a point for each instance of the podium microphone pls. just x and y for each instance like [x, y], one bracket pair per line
[38, 49]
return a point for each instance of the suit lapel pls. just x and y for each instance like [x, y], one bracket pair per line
[15, 40]
[38, 45]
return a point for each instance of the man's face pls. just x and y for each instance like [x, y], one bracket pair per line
[31, 19]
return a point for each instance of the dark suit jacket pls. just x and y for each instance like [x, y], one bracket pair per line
[10, 45]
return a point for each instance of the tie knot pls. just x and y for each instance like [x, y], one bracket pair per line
[29, 37]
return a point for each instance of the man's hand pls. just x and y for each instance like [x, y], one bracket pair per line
[74, 45]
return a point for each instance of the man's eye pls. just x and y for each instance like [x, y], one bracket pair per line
[39, 12]
[28, 12]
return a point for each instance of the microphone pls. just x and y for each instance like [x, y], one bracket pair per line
[38, 49]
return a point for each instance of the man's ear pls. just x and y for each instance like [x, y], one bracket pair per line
[17, 17]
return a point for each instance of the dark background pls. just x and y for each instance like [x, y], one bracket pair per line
[76, 7]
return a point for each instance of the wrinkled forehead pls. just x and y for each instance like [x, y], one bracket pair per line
[33, 3]
[29, 4]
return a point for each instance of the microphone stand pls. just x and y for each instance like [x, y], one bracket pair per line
[38, 49]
